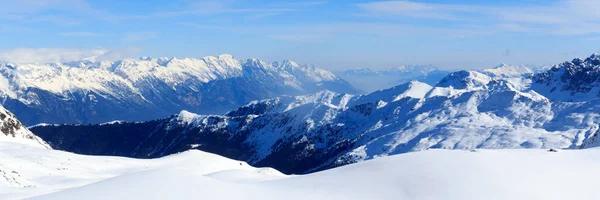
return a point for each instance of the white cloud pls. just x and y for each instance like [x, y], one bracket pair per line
[49, 55]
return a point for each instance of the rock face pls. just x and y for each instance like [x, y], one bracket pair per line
[466, 110]
[145, 89]
[11, 130]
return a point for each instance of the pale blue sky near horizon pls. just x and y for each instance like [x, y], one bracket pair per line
[330, 34]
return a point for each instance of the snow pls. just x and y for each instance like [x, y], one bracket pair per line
[41, 171]
[508, 71]
[417, 90]
[434, 174]
[186, 117]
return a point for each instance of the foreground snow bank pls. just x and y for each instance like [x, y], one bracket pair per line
[27, 171]
[434, 174]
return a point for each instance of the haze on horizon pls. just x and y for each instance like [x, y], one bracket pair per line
[333, 35]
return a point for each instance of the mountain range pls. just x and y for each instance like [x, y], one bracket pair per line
[90, 91]
[367, 79]
[466, 109]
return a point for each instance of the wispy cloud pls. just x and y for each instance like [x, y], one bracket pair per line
[80, 34]
[417, 10]
[45, 11]
[49, 55]
[217, 7]
[325, 31]
[298, 4]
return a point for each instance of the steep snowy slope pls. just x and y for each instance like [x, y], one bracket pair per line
[144, 89]
[435, 174]
[370, 80]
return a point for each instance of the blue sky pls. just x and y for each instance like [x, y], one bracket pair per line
[331, 34]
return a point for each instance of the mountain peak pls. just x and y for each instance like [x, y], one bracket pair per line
[226, 57]
[508, 71]
[146, 58]
[185, 116]
[464, 79]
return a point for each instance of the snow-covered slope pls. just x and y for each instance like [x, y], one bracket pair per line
[434, 174]
[26, 171]
[12, 130]
[149, 88]
[370, 80]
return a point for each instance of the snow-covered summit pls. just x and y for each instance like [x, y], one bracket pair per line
[465, 79]
[508, 71]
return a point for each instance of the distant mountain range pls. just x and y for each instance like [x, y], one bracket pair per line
[90, 91]
[558, 108]
[369, 80]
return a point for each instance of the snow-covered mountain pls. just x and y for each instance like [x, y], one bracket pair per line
[370, 80]
[577, 80]
[12, 130]
[465, 110]
[149, 88]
